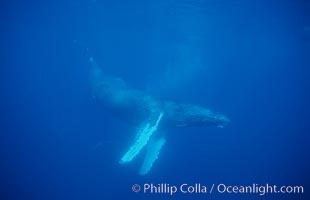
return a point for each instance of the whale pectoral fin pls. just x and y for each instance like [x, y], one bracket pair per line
[143, 136]
[152, 153]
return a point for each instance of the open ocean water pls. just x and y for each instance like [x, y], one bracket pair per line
[249, 60]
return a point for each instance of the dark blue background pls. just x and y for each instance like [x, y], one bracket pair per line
[254, 67]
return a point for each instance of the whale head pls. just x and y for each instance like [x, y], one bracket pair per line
[217, 119]
[200, 116]
[187, 115]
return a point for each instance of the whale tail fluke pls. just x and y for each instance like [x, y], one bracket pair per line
[144, 134]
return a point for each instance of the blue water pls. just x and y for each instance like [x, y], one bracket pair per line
[246, 59]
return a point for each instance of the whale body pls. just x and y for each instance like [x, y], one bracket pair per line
[149, 113]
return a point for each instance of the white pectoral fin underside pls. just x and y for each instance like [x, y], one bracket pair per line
[152, 153]
[143, 136]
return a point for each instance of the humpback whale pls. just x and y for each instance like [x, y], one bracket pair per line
[148, 113]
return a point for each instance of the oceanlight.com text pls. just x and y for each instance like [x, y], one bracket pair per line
[221, 188]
